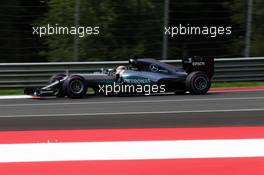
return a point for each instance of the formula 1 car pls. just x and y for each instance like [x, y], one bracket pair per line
[140, 76]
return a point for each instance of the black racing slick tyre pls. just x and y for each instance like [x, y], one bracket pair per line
[75, 87]
[54, 78]
[198, 83]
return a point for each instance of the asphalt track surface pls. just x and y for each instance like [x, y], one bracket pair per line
[157, 111]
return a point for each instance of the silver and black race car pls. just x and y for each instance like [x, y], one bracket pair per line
[141, 76]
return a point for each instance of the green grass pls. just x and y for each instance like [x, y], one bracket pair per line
[11, 91]
[237, 84]
[20, 91]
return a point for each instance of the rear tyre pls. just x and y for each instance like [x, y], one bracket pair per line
[57, 77]
[75, 87]
[198, 83]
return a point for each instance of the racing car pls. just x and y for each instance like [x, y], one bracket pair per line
[194, 76]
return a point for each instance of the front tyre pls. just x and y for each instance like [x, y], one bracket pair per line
[75, 87]
[198, 83]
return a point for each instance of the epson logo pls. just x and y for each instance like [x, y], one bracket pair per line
[198, 63]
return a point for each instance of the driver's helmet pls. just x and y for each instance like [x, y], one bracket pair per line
[132, 62]
[120, 69]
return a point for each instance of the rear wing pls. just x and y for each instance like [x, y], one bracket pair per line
[205, 65]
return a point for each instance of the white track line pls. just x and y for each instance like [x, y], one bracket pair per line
[135, 113]
[6, 97]
[133, 101]
[131, 150]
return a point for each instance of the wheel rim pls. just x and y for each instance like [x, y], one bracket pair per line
[77, 86]
[200, 83]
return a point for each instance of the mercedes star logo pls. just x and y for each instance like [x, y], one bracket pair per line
[153, 68]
